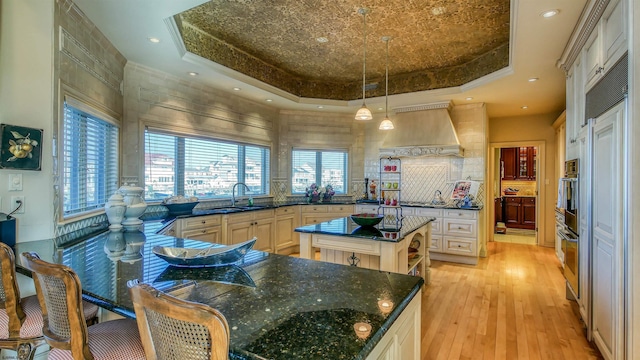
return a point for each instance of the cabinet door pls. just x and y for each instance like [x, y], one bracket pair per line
[592, 59]
[529, 213]
[512, 211]
[523, 163]
[508, 158]
[498, 208]
[238, 232]
[263, 230]
[285, 236]
[532, 158]
[614, 39]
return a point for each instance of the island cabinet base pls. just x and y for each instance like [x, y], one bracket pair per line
[402, 341]
[372, 254]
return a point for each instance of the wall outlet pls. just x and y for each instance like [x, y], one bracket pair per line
[15, 202]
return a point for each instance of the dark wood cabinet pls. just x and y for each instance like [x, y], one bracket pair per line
[518, 163]
[498, 206]
[520, 212]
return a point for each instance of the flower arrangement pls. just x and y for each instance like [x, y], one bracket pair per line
[314, 193]
[328, 193]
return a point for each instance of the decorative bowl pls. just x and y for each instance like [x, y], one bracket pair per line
[367, 219]
[215, 255]
[181, 208]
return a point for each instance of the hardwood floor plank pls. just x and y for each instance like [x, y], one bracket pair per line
[511, 305]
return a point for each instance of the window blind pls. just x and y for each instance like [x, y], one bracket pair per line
[90, 161]
[320, 167]
[204, 168]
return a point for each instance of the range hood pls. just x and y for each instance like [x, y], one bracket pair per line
[422, 130]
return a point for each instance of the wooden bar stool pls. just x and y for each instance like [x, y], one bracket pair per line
[173, 328]
[60, 296]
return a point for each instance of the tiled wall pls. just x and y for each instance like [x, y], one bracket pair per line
[525, 188]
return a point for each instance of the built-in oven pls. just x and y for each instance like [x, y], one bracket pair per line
[569, 234]
[570, 195]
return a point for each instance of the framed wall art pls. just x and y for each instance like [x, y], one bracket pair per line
[20, 147]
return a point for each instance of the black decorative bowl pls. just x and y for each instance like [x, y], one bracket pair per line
[181, 208]
[367, 219]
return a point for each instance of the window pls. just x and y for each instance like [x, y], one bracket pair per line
[320, 167]
[90, 161]
[179, 165]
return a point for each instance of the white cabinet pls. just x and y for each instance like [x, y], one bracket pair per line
[244, 226]
[575, 108]
[606, 44]
[287, 219]
[203, 228]
[366, 208]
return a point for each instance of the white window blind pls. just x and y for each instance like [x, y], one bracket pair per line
[320, 167]
[90, 161]
[179, 165]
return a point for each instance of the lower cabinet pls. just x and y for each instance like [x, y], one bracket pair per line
[244, 226]
[203, 228]
[287, 241]
[520, 212]
[313, 214]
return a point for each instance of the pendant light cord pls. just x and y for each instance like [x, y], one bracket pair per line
[386, 85]
[364, 56]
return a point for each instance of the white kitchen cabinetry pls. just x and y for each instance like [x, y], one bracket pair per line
[204, 228]
[606, 233]
[314, 214]
[606, 44]
[402, 341]
[287, 241]
[455, 234]
[575, 108]
[241, 227]
[366, 208]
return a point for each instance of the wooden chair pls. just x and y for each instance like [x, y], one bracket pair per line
[60, 296]
[172, 328]
[20, 319]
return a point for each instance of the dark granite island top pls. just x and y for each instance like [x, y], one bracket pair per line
[277, 307]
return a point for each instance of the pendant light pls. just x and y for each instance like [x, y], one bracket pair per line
[386, 124]
[364, 113]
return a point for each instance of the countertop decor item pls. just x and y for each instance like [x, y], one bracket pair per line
[181, 208]
[115, 209]
[135, 206]
[211, 256]
[367, 219]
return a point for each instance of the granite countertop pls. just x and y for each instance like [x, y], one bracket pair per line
[390, 229]
[277, 307]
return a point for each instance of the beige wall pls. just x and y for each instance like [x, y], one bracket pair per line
[527, 129]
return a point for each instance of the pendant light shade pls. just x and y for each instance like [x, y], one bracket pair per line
[364, 113]
[386, 124]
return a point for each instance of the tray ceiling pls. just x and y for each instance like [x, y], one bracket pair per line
[435, 44]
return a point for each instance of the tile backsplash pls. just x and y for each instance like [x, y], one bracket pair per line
[525, 188]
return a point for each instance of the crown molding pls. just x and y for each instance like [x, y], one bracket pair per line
[431, 106]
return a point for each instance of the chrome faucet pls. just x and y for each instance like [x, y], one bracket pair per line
[233, 192]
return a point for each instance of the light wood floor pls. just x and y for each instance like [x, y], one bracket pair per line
[511, 305]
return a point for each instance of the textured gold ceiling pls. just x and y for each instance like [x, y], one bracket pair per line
[435, 43]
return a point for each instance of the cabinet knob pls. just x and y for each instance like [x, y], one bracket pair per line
[459, 245]
[459, 227]
[204, 222]
[459, 214]
[204, 231]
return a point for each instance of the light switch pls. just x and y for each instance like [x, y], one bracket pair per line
[15, 182]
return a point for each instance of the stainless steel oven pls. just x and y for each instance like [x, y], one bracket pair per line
[571, 259]
[570, 195]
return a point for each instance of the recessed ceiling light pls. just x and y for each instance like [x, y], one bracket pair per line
[269, 100]
[524, 107]
[236, 89]
[550, 13]
[320, 107]
[154, 40]
[192, 73]
[438, 10]
[322, 39]
[468, 98]
[380, 109]
[533, 79]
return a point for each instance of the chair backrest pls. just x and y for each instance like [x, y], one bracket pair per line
[172, 328]
[60, 296]
[9, 291]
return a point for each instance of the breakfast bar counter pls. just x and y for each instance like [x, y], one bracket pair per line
[277, 307]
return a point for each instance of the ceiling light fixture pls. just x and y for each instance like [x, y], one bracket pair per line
[533, 79]
[192, 73]
[322, 39]
[320, 107]
[154, 40]
[550, 13]
[386, 124]
[468, 98]
[524, 107]
[364, 113]
[269, 100]
[236, 89]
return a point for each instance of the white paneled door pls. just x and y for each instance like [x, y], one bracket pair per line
[606, 231]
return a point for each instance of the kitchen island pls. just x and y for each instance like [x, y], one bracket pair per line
[277, 307]
[383, 247]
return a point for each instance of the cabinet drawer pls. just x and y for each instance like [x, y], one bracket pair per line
[285, 210]
[436, 226]
[459, 246]
[211, 234]
[344, 209]
[314, 208]
[460, 214]
[428, 212]
[261, 214]
[240, 218]
[436, 243]
[201, 222]
[512, 200]
[366, 209]
[529, 200]
[465, 228]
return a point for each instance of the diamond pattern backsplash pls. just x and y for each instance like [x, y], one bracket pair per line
[419, 182]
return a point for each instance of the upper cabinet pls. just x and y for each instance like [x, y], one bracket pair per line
[518, 163]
